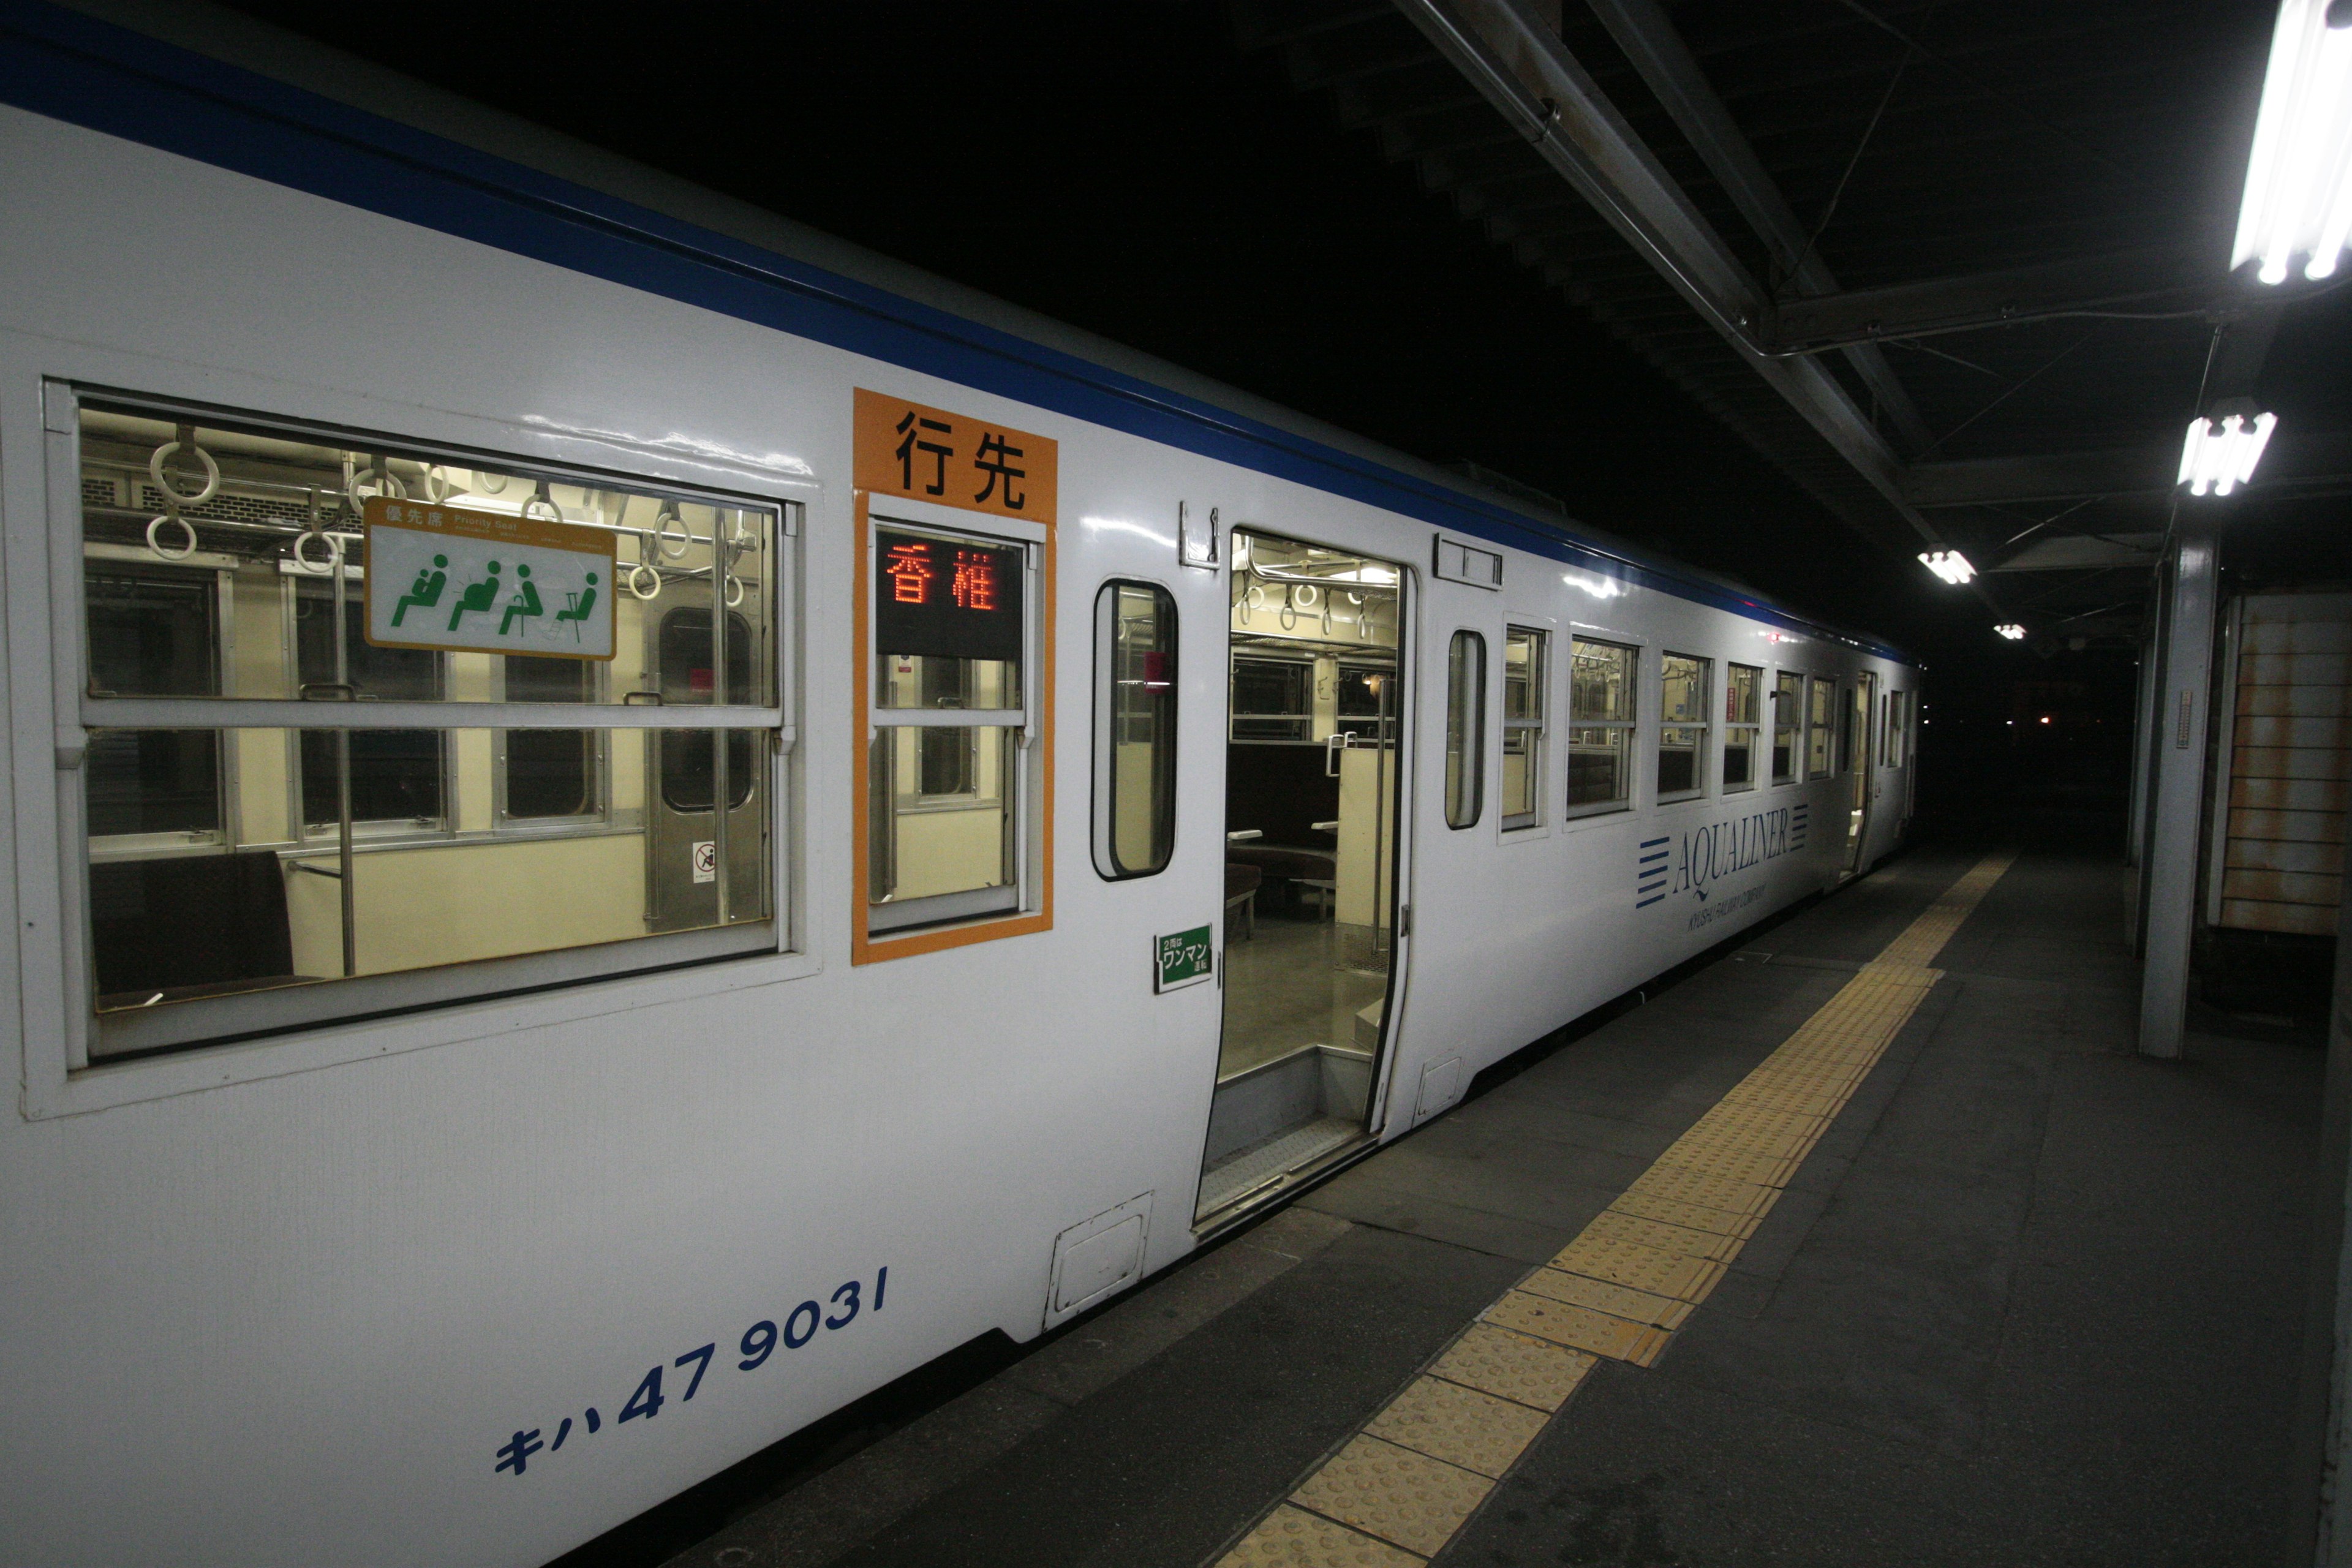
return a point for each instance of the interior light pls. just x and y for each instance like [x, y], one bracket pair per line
[2045, 718]
[1949, 564]
[2298, 199]
[2013, 633]
[2220, 454]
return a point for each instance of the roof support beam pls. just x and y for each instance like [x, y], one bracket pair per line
[1528, 73]
[2299, 464]
[2148, 279]
[1644, 32]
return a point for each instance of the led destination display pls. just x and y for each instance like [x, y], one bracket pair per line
[946, 598]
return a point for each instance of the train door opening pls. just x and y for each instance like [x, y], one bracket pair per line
[1862, 704]
[1313, 756]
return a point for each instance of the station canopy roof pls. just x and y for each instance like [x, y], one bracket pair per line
[1959, 269]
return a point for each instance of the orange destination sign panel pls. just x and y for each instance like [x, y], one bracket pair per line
[953, 459]
[483, 582]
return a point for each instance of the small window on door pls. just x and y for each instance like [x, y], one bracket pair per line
[1135, 729]
[1524, 674]
[1743, 690]
[1788, 724]
[1466, 730]
[1682, 726]
[1820, 733]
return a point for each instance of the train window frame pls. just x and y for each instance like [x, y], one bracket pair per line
[1788, 687]
[1739, 721]
[341, 1017]
[1106, 734]
[1628, 729]
[322, 834]
[1534, 728]
[155, 844]
[1466, 742]
[1703, 673]
[603, 815]
[1821, 727]
[1024, 903]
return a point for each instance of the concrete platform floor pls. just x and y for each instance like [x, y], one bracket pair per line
[2031, 1301]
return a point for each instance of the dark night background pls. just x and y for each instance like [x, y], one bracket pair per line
[1131, 170]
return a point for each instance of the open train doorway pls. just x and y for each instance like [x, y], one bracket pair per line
[1861, 706]
[1314, 757]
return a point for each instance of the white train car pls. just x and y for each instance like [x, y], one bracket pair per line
[625, 823]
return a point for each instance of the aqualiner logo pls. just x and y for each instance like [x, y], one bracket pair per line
[1697, 861]
[1708, 855]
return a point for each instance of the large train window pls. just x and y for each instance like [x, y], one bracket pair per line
[1788, 724]
[1466, 730]
[949, 719]
[1821, 715]
[1743, 690]
[1601, 727]
[1682, 726]
[1524, 679]
[1135, 729]
[472, 749]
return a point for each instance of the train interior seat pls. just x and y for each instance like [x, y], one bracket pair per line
[189, 924]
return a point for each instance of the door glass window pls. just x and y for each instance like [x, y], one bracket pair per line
[1524, 678]
[1601, 727]
[1466, 729]
[396, 723]
[1743, 688]
[1135, 729]
[1788, 724]
[1821, 734]
[1682, 726]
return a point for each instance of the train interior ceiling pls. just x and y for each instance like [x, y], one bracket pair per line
[1313, 739]
[226, 563]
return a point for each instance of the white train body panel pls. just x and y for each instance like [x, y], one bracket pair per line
[284, 1300]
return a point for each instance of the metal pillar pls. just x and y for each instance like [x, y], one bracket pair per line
[2319, 1516]
[2168, 859]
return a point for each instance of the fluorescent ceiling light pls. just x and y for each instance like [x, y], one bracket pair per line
[2220, 454]
[2298, 199]
[1949, 564]
[2013, 633]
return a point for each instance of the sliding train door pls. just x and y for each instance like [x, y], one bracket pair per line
[1861, 706]
[1315, 757]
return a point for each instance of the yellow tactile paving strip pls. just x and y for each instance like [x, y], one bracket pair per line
[1399, 1489]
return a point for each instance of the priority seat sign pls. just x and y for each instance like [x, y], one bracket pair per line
[446, 578]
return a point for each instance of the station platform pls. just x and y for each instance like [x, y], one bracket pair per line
[2016, 1295]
